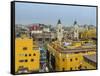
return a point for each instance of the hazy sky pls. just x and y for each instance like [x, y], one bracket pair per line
[28, 13]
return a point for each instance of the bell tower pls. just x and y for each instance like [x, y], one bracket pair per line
[76, 30]
[59, 31]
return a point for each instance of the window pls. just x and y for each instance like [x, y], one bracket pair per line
[63, 59]
[59, 30]
[76, 59]
[40, 39]
[32, 60]
[63, 69]
[25, 54]
[47, 39]
[24, 48]
[34, 54]
[33, 39]
[29, 54]
[80, 67]
[21, 60]
[71, 60]
[26, 60]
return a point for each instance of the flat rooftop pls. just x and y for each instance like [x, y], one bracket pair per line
[61, 49]
[75, 50]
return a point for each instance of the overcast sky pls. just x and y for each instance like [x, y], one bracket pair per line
[28, 13]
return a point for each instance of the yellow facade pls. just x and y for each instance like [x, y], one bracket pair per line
[69, 61]
[88, 34]
[88, 65]
[66, 62]
[27, 55]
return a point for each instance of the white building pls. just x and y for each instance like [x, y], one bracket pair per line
[76, 30]
[59, 31]
[46, 29]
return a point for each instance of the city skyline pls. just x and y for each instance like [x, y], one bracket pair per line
[28, 13]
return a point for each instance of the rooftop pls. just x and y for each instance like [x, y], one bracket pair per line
[61, 49]
[59, 22]
[91, 57]
[76, 50]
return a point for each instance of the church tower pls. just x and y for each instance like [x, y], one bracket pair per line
[76, 30]
[59, 31]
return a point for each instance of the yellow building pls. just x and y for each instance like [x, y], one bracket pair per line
[90, 61]
[27, 55]
[88, 34]
[66, 59]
